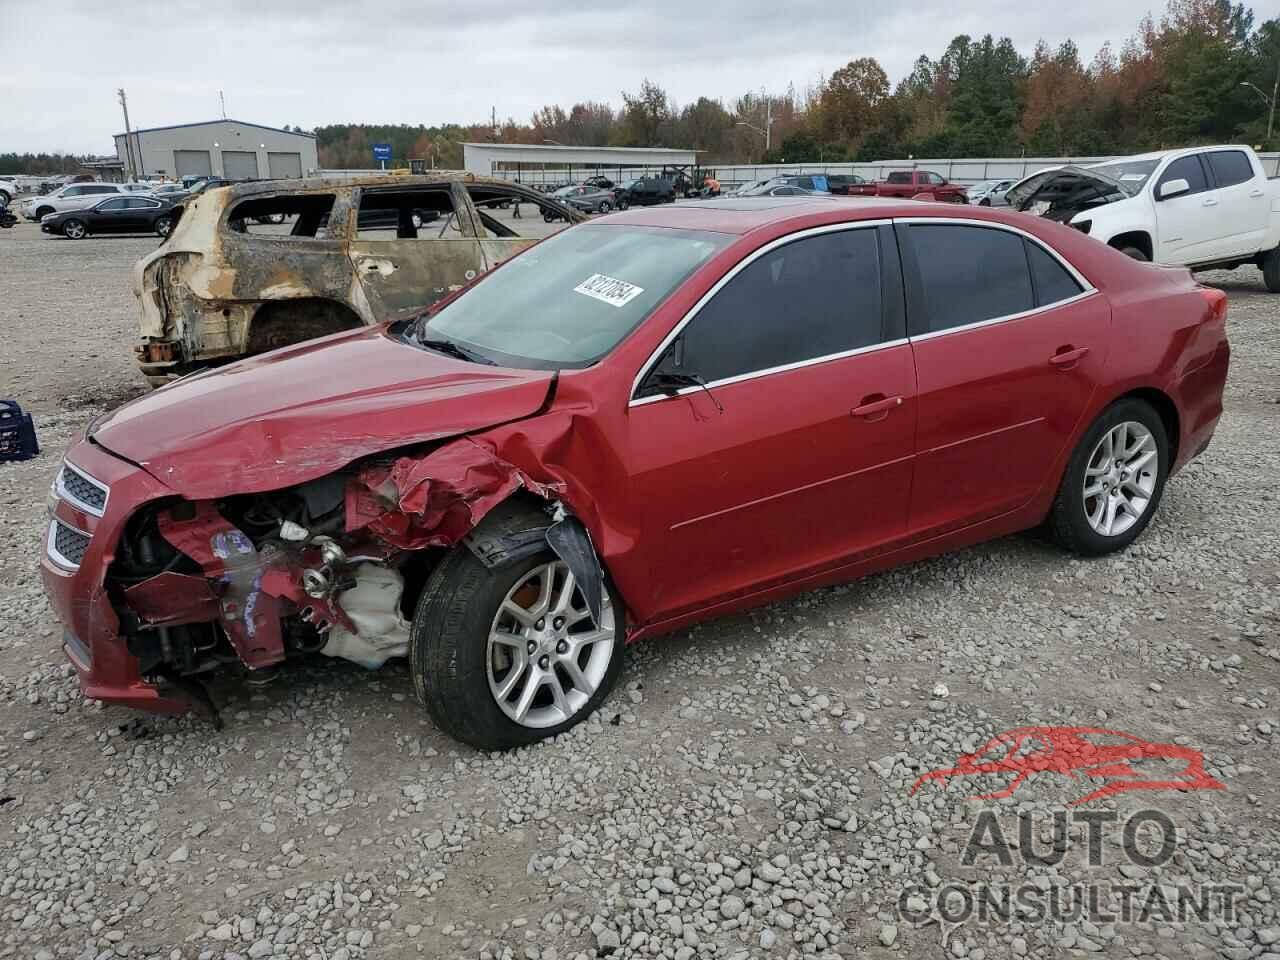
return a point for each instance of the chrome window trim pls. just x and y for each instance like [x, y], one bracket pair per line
[52, 549]
[741, 265]
[63, 493]
[1087, 288]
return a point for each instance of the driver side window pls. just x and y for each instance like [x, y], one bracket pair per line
[1185, 168]
[811, 298]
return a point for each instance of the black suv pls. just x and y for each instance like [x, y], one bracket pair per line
[646, 191]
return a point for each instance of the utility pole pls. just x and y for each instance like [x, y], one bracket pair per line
[128, 145]
[222, 102]
[493, 122]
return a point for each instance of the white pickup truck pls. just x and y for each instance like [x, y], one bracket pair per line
[1200, 207]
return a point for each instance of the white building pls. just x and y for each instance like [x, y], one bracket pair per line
[219, 148]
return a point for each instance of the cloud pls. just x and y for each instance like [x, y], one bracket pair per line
[312, 62]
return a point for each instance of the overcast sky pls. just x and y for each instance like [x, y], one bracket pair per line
[312, 62]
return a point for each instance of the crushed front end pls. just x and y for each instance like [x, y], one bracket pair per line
[156, 592]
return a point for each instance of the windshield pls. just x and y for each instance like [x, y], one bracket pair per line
[569, 300]
[1132, 174]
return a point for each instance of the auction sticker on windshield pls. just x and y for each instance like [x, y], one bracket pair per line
[608, 289]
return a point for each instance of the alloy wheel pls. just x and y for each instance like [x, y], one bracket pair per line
[545, 657]
[1120, 478]
[74, 229]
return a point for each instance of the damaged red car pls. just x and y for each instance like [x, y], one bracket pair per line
[654, 418]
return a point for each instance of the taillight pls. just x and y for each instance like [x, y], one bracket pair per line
[1217, 301]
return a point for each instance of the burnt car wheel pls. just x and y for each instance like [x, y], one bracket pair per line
[508, 656]
[163, 226]
[74, 229]
[1113, 482]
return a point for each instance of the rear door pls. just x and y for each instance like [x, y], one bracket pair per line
[1242, 199]
[796, 456]
[413, 246]
[506, 230]
[1009, 342]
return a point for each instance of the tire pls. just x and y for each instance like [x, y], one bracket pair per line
[163, 226]
[605, 207]
[458, 671]
[43, 212]
[1271, 270]
[1134, 253]
[1079, 521]
[622, 203]
[74, 230]
[548, 218]
[984, 202]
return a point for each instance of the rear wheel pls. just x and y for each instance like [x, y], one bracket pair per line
[605, 207]
[1135, 253]
[508, 656]
[74, 229]
[163, 226]
[1113, 482]
[1271, 270]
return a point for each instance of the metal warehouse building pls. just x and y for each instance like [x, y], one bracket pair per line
[219, 148]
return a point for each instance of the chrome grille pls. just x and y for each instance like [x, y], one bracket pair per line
[67, 545]
[81, 490]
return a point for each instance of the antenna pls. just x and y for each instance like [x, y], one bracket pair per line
[222, 102]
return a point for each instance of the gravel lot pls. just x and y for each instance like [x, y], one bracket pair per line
[744, 792]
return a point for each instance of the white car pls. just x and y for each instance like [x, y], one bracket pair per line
[989, 193]
[8, 190]
[75, 196]
[1199, 207]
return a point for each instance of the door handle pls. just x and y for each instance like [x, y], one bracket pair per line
[1211, 202]
[1067, 357]
[876, 406]
[1255, 193]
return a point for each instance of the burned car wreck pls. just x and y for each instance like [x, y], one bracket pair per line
[256, 266]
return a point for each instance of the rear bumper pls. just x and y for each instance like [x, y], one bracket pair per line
[91, 636]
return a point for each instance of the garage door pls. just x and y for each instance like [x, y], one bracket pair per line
[284, 165]
[239, 165]
[192, 163]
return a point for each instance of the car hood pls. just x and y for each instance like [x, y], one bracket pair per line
[299, 413]
[1023, 193]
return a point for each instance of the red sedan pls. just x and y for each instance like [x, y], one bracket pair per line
[651, 419]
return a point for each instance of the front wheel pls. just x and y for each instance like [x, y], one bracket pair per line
[1135, 253]
[508, 656]
[74, 229]
[1113, 482]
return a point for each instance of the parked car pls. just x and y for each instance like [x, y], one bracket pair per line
[585, 198]
[136, 214]
[911, 184]
[778, 187]
[509, 487]
[1208, 208]
[645, 191]
[222, 287]
[989, 193]
[169, 191]
[839, 183]
[73, 196]
[603, 183]
[8, 190]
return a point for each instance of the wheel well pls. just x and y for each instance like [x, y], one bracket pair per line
[43, 211]
[280, 323]
[1136, 238]
[1167, 410]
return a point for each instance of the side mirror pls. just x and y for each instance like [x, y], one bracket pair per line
[1171, 188]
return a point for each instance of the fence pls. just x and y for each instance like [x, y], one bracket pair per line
[966, 171]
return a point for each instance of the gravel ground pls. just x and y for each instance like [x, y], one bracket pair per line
[746, 791]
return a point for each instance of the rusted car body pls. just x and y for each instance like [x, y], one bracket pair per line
[350, 252]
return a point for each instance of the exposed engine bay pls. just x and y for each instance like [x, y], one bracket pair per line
[332, 566]
[1062, 193]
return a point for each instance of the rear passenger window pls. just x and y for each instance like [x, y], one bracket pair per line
[1230, 167]
[409, 215]
[809, 298]
[1188, 169]
[969, 274]
[1052, 282]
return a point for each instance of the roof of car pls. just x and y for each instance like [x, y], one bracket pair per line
[741, 215]
[249, 188]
